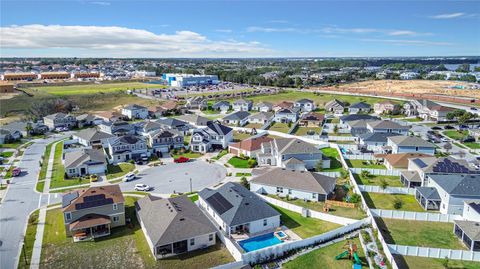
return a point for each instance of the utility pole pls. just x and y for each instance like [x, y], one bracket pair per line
[24, 253]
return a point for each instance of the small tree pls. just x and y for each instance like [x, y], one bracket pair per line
[355, 198]
[319, 165]
[245, 182]
[252, 163]
[365, 174]
[447, 147]
[383, 184]
[397, 203]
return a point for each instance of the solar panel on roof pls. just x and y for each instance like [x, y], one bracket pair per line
[219, 203]
[419, 163]
[94, 197]
[93, 203]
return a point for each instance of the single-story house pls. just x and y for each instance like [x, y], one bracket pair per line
[238, 118]
[261, 117]
[263, 106]
[294, 184]
[355, 117]
[85, 162]
[194, 120]
[335, 106]
[412, 144]
[237, 210]
[173, 226]
[221, 105]
[88, 120]
[387, 126]
[312, 119]
[399, 161]
[374, 141]
[359, 107]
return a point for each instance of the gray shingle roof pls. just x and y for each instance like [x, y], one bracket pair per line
[458, 184]
[402, 140]
[361, 105]
[220, 104]
[386, 124]
[429, 193]
[262, 116]
[304, 101]
[239, 115]
[245, 205]
[376, 137]
[353, 117]
[92, 134]
[298, 180]
[134, 107]
[172, 220]
[470, 228]
[218, 128]
[90, 156]
[295, 146]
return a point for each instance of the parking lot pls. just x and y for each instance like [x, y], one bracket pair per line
[174, 177]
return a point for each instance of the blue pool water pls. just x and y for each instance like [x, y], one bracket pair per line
[259, 242]
[281, 234]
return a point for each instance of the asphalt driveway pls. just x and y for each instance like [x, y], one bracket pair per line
[175, 177]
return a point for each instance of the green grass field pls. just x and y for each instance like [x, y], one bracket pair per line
[237, 136]
[393, 181]
[238, 162]
[279, 127]
[58, 173]
[419, 233]
[307, 131]
[325, 258]
[364, 164]
[414, 262]
[92, 88]
[304, 227]
[29, 240]
[455, 134]
[386, 201]
[119, 170]
[125, 246]
[335, 164]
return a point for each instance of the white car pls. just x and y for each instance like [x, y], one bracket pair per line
[129, 177]
[142, 187]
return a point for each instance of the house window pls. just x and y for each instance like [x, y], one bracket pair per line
[68, 216]
[314, 195]
[115, 207]
[289, 191]
[192, 242]
[116, 219]
[210, 237]
[416, 148]
[265, 222]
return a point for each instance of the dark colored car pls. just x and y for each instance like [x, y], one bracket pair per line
[436, 128]
[449, 127]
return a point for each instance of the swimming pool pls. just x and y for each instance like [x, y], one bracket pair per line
[260, 242]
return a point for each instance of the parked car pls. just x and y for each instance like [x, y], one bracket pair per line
[181, 159]
[93, 178]
[16, 172]
[129, 177]
[462, 127]
[468, 139]
[473, 108]
[436, 128]
[142, 187]
[449, 127]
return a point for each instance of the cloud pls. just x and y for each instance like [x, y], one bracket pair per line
[404, 42]
[335, 30]
[448, 16]
[224, 31]
[116, 40]
[99, 3]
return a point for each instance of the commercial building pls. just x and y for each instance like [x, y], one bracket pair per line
[186, 80]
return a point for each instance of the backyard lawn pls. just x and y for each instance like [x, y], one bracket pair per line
[304, 227]
[238, 162]
[386, 201]
[364, 164]
[414, 262]
[254, 125]
[335, 164]
[58, 173]
[279, 127]
[393, 181]
[119, 170]
[325, 258]
[419, 233]
[237, 136]
[472, 145]
[307, 131]
[353, 213]
[125, 246]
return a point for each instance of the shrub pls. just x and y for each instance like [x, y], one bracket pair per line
[397, 203]
[252, 163]
[245, 182]
[355, 198]
[383, 184]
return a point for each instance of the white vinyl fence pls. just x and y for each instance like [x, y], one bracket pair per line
[329, 174]
[279, 250]
[376, 172]
[232, 265]
[391, 190]
[341, 138]
[363, 156]
[313, 214]
[348, 146]
[410, 215]
[440, 253]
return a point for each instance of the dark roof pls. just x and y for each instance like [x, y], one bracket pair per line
[89, 220]
[239, 115]
[475, 206]
[218, 128]
[129, 139]
[91, 197]
[171, 122]
[171, 220]
[353, 117]
[360, 105]
[220, 104]
[458, 184]
[429, 193]
[237, 204]
[304, 101]
[376, 137]
[134, 106]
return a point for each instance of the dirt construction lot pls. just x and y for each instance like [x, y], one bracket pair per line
[413, 87]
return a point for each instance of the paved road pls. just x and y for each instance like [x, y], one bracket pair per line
[176, 177]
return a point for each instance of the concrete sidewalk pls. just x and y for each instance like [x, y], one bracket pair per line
[37, 246]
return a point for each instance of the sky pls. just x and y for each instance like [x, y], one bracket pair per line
[268, 28]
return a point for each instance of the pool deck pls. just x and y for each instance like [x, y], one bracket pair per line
[291, 235]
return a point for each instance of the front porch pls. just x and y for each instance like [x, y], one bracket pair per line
[89, 227]
[428, 198]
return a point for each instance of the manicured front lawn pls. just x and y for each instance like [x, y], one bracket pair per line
[304, 227]
[11, 145]
[386, 201]
[243, 174]
[238, 162]
[6, 154]
[29, 240]
[43, 169]
[308, 131]
[353, 213]
[472, 145]
[221, 154]
[455, 134]
[364, 164]
[125, 247]
[119, 170]
[58, 173]
[414, 262]
[325, 258]
[254, 125]
[393, 181]
[190, 155]
[279, 127]
[335, 164]
[419, 233]
[417, 119]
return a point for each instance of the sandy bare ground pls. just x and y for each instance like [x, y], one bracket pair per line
[414, 87]
[5, 96]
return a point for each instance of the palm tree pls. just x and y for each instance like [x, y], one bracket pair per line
[28, 128]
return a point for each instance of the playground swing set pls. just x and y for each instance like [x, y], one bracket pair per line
[350, 251]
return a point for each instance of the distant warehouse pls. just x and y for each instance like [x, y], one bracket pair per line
[186, 80]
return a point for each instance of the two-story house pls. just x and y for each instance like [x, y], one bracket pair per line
[305, 105]
[222, 106]
[162, 141]
[197, 102]
[117, 128]
[60, 120]
[386, 107]
[93, 212]
[263, 106]
[127, 147]
[286, 115]
[135, 112]
[213, 136]
[242, 105]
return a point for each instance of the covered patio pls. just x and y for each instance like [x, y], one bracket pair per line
[90, 226]
[172, 249]
[469, 233]
[410, 179]
[428, 198]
